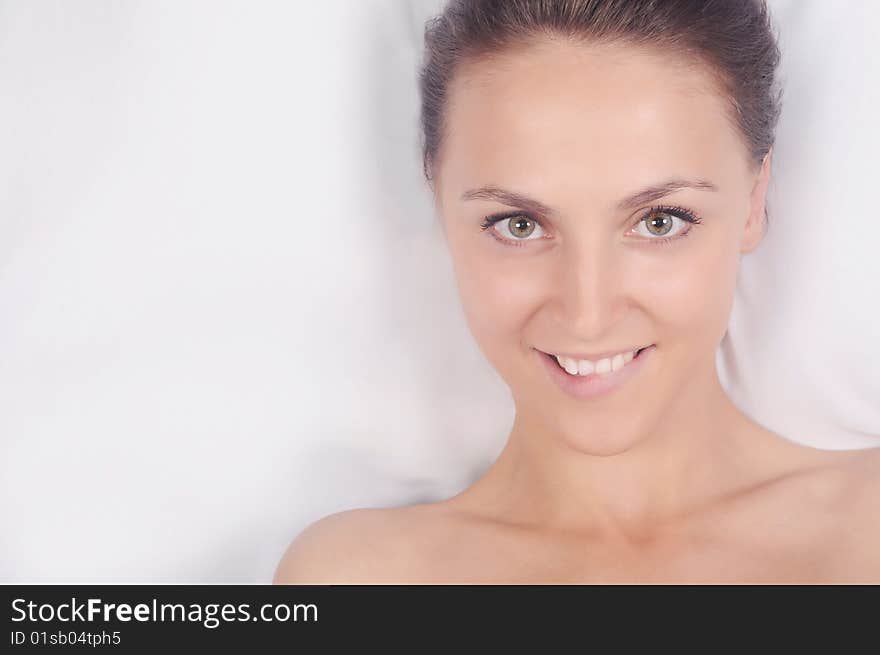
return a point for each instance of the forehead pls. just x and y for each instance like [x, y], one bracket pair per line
[604, 118]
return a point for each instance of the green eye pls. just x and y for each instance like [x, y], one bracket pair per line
[518, 228]
[514, 227]
[521, 226]
[660, 223]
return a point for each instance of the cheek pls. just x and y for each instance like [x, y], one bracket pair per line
[497, 297]
[691, 292]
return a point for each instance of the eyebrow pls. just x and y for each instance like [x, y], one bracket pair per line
[648, 194]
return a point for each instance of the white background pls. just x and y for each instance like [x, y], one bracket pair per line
[226, 309]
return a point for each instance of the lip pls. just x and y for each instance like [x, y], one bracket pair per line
[596, 357]
[595, 385]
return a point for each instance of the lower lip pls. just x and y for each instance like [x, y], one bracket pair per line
[595, 385]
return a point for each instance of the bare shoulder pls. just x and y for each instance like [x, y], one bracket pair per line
[864, 470]
[842, 481]
[342, 548]
[857, 475]
[357, 546]
[853, 513]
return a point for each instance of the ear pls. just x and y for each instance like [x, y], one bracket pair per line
[756, 222]
[439, 221]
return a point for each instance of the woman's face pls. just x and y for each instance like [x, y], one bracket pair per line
[582, 130]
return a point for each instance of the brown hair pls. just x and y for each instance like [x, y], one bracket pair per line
[733, 37]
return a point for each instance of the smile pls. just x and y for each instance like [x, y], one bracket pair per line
[600, 366]
[584, 378]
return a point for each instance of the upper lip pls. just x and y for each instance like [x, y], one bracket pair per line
[596, 356]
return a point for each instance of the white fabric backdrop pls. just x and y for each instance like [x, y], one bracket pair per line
[225, 307]
[803, 349]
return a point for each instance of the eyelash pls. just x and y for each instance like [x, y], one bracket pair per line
[672, 210]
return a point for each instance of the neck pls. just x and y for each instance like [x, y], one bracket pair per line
[702, 450]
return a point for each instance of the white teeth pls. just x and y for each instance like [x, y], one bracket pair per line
[569, 364]
[602, 367]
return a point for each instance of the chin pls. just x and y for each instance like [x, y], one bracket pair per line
[601, 438]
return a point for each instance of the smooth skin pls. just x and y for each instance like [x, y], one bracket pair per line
[665, 480]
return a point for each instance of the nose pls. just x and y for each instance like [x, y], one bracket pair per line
[590, 291]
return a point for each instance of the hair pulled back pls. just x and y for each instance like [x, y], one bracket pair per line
[733, 38]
